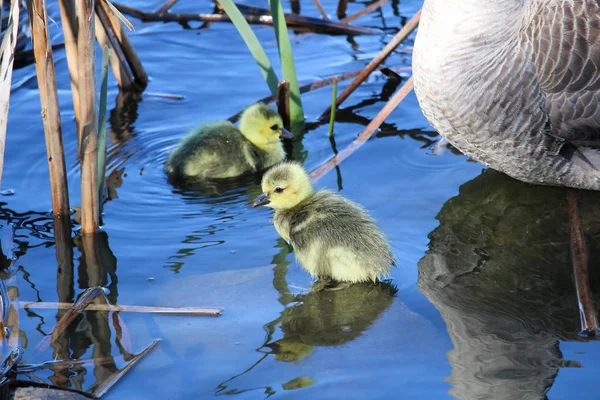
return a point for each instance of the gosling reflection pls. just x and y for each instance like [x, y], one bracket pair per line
[329, 317]
[498, 270]
[323, 318]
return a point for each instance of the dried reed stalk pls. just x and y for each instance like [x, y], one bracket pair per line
[88, 125]
[366, 134]
[68, 17]
[137, 69]
[283, 102]
[7, 51]
[364, 11]
[107, 38]
[400, 36]
[46, 78]
[192, 311]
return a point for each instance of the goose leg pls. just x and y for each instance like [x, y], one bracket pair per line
[587, 310]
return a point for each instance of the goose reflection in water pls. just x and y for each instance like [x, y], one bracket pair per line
[320, 318]
[498, 271]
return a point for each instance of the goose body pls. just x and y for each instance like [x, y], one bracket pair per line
[221, 150]
[515, 84]
[333, 237]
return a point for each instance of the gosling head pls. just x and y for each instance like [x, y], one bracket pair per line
[263, 126]
[284, 186]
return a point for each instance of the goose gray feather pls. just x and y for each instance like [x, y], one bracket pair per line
[515, 84]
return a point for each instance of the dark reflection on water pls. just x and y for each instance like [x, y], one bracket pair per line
[316, 319]
[498, 270]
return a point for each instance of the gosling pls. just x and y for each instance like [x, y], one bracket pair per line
[221, 150]
[334, 238]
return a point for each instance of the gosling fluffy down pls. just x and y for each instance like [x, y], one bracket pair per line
[334, 238]
[221, 150]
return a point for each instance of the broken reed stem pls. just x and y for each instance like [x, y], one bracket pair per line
[192, 311]
[88, 125]
[283, 102]
[585, 298]
[106, 37]
[70, 29]
[293, 21]
[321, 10]
[46, 78]
[8, 43]
[135, 65]
[400, 36]
[309, 87]
[119, 373]
[366, 134]
[364, 11]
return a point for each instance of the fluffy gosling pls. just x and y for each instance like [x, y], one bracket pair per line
[221, 150]
[334, 238]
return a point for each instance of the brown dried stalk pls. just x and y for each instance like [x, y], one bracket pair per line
[366, 10]
[70, 32]
[196, 311]
[6, 68]
[283, 102]
[141, 78]
[88, 125]
[587, 309]
[293, 21]
[387, 50]
[107, 38]
[365, 134]
[46, 78]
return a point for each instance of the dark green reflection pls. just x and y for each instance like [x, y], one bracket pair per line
[498, 269]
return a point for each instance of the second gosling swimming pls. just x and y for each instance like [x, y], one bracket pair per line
[221, 150]
[334, 238]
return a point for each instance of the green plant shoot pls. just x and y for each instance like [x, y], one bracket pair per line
[333, 107]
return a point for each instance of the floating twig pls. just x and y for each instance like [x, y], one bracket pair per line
[10, 361]
[81, 304]
[7, 50]
[199, 311]
[366, 133]
[364, 11]
[46, 79]
[101, 390]
[293, 21]
[400, 36]
[166, 7]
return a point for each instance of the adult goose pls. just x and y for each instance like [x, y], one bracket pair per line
[515, 84]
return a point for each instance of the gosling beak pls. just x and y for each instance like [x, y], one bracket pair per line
[261, 200]
[285, 134]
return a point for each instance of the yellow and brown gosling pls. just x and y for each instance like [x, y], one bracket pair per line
[334, 238]
[221, 150]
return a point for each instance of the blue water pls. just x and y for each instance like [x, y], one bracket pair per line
[163, 246]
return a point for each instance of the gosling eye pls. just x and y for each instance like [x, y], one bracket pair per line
[278, 190]
[275, 127]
